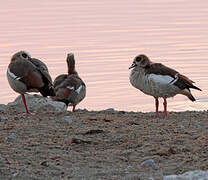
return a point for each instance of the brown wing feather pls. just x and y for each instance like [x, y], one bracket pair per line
[27, 73]
[62, 93]
[72, 81]
[183, 82]
[34, 79]
[185, 79]
[42, 68]
[67, 88]
[158, 68]
[59, 79]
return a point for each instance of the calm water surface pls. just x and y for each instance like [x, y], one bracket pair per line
[105, 37]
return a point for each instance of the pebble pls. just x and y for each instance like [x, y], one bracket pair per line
[14, 174]
[68, 119]
[110, 110]
[22, 168]
[37, 103]
[3, 119]
[44, 163]
[1, 158]
[194, 175]
[94, 131]
[12, 136]
[80, 141]
[3, 107]
[149, 163]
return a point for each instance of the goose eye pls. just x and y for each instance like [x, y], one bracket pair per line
[24, 55]
[139, 58]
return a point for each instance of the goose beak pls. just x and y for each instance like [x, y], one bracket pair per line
[132, 66]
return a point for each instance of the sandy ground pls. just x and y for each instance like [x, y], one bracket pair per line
[101, 145]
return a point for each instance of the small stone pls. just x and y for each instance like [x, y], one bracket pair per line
[22, 168]
[56, 173]
[197, 174]
[3, 119]
[1, 158]
[44, 163]
[68, 119]
[196, 137]
[3, 107]
[37, 103]
[172, 150]
[149, 163]
[80, 141]
[14, 174]
[121, 112]
[12, 137]
[110, 110]
[94, 131]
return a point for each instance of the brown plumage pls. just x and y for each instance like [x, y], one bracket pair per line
[26, 74]
[69, 88]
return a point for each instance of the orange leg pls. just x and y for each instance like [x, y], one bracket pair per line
[165, 108]
[157, 107]
[24, 101]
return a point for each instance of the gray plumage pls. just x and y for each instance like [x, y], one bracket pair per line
[158, 80]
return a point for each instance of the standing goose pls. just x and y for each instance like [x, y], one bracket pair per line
[158, 80]
[26, 74]
[69, 88]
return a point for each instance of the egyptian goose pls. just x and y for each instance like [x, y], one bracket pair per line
[69, 88]
[158, 80]
[26, 74]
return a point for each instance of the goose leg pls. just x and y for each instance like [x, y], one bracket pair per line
[73, 109]
[157, 107]
[24, 101]
[165, 108]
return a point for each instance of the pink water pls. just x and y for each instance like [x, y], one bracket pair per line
[105, 36]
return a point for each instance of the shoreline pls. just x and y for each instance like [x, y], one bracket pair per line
[104, 144]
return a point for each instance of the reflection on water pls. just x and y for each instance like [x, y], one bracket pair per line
[105, 37]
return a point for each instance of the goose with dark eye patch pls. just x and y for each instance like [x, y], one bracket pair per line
[26, 74]
[158, 80]
[69, 88]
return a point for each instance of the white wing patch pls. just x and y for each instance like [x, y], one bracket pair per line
[187, 90]
[12, 75]
[70, 87]
[79, 89]
[162, 79]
